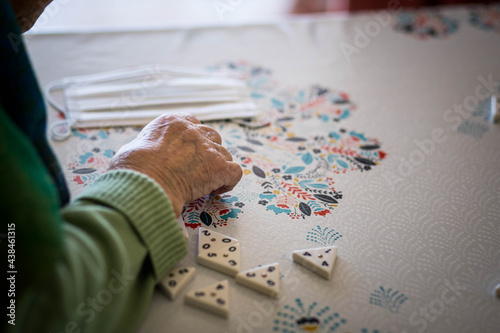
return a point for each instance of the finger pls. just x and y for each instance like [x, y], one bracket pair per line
[211, 134]
[221, 190]
[224, 152]
[234, 175]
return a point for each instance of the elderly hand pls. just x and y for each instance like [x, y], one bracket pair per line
[184, 157]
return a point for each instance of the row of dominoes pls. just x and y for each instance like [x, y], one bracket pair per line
[222, 253]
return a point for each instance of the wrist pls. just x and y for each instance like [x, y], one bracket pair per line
[175, 199]
[177, 204]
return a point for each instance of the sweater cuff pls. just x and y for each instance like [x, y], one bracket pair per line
[149, 210]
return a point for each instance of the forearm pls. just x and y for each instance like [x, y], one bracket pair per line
[92, 266]
[119, 239]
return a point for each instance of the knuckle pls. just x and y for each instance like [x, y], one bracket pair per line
[192, 118]
[226, 153]
[215, 134]
[191, 131]
[188, 117]
[168, 117]
[209, 131]
[175, 126]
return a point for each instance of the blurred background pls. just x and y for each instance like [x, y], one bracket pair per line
[121, 14]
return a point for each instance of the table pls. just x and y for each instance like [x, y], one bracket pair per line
[380, 144]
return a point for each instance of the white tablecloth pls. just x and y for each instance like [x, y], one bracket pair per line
[369, 152]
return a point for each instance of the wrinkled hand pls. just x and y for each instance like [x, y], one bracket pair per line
[184, 157]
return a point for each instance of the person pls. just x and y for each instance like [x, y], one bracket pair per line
[91, 265]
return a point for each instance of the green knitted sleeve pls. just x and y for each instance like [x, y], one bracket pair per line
[93, 266]
[149, 211]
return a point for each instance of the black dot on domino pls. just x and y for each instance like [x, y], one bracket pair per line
[172, 283]
[206, 246]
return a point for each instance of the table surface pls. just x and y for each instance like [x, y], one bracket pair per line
[380, 144]
[62, 15]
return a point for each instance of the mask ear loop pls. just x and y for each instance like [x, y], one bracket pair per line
[59, 130]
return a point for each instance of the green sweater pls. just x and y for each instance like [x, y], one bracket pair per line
[92, 265]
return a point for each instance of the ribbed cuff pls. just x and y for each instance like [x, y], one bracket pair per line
[148, 209]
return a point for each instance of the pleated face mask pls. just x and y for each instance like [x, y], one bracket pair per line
[135, 96]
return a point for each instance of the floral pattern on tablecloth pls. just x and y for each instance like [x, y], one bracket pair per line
[425, 24]
[324, 236]
[289, 165]
[486, 18]
[479, 120]
[313, 317]
[388, 298]
[92, 150]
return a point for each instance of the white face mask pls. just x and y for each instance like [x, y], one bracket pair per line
[135, 96]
